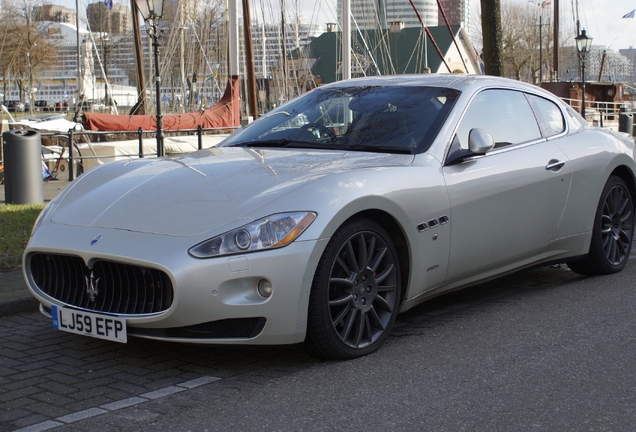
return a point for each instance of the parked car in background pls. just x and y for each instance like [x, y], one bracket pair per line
[42, 105]
[92, 105]
[14, 105]
[327, 216]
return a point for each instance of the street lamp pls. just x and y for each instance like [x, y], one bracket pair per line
[583, 45]
[151, 11]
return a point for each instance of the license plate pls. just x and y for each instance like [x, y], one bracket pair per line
[89, 324]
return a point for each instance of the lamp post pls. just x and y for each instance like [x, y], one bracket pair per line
[583, 45]
[151, 11]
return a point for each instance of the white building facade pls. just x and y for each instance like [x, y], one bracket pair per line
[61, 82]
[378, 14]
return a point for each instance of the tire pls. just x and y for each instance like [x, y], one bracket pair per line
[355, 293]
[612, 233]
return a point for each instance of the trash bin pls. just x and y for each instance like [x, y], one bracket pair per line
[625, 122]
[23, 182]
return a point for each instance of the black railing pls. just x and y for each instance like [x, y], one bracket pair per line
[69, 140]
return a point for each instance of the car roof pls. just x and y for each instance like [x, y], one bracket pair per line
[434, 80]
[461, 82]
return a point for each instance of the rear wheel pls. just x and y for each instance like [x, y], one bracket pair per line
[612, 233]
[355, 293]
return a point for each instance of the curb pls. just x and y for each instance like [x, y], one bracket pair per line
[19, 305]
[24, 301]
[10, 262]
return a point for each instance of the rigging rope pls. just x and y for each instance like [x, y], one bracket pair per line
[450, 30]
[428, 32]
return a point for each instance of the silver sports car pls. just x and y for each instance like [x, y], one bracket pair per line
[323, 219]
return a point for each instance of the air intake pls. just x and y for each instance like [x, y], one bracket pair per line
[106, 287]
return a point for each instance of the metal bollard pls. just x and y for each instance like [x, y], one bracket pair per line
[140, 136]
[23, 180]
[71, 161]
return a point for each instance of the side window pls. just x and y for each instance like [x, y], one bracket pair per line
[576, 121]
[505, 114]
[548, 114]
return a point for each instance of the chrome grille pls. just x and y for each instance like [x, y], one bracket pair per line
[120, 288]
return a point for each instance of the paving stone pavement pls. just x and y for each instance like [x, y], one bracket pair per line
[50, 378]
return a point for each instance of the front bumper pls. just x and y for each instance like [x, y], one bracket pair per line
[218, 294]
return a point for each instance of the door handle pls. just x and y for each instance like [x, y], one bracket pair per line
[554, 165]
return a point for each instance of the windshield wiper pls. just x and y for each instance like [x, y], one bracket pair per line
[378, 149]
[283, 143]
[268, 143]
[318, 145]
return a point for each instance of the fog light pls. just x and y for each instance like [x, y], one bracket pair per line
[265, 288]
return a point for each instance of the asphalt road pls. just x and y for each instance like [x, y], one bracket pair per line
[543, 349]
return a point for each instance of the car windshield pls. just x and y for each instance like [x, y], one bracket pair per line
[392, 119]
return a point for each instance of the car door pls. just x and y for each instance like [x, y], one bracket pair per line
[507, 204]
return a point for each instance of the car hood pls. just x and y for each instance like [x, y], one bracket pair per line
[202, 191]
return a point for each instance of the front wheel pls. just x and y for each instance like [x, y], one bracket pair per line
[355, 293]
[612, 232]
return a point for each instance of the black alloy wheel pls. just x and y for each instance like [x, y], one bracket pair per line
[612, 233]
[355, 294]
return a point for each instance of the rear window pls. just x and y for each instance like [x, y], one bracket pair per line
[548, 115]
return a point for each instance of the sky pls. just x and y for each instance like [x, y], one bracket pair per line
[601, 18]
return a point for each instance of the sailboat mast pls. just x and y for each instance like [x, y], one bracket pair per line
[346, 39]
[182, 56]
[80, 84]
[297, 27]
[578, 20]
[264, 43]
[284, 48]
[555, 48]
[541, 46]
[140, 106]
[249, 56]
[233, 37]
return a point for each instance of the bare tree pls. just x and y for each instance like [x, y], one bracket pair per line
[520, 40]
[527, 46]
[26, 47]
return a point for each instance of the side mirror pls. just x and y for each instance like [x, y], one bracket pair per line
[480, 141]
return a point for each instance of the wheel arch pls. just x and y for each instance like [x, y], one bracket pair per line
[612, 232]
[627, 176]
[399, 239]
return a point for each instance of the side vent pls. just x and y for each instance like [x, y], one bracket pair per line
[433, 223]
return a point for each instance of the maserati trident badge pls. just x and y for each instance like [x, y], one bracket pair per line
[91, 286]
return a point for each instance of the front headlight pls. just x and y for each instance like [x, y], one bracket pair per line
[271, 232]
